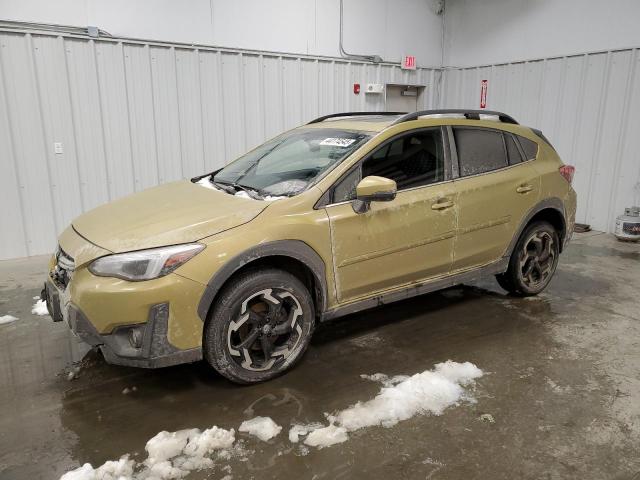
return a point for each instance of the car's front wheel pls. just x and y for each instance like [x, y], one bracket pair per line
[260, 327]
[533, 261]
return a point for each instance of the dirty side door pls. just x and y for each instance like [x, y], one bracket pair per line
[401, 241]
[495, 190]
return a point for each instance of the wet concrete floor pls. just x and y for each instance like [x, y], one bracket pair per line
[563, 385]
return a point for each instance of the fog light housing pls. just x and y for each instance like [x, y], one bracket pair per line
[135, 337]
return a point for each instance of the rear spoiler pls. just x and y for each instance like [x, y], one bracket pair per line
[541, 135]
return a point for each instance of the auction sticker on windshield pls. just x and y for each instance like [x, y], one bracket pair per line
[337, 142]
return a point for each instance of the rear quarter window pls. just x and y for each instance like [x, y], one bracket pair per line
[530, 148]
[479, 150]
[512, 149]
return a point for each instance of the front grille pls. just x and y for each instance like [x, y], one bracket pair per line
[63, 269]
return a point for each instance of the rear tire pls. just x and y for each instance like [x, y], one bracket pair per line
[533, 261]
[260, 326]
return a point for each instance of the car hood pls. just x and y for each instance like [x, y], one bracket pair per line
[170, 214]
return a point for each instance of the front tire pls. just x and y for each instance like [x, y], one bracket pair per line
[260, 326]
[533, 261]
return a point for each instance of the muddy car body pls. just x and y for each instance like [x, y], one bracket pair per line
[236, 269]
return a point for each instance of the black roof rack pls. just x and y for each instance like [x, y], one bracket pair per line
[353, 114]
[469, 114]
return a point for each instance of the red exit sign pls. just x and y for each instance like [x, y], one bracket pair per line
[409, 62]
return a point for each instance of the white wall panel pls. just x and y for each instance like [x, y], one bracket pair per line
[389, 28]
[496, 31]
[582, 103]
[31, 159]
[133, 114]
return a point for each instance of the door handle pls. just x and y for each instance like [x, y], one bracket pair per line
[524, 188]
[441, 205]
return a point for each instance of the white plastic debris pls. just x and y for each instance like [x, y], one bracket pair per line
[262, 427]
[4, 319]
[40, 308]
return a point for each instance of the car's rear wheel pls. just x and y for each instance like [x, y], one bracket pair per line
[533, 261]
[260, 327]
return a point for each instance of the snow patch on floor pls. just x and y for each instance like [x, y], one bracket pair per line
[426, 393]
[384, 379]
[40, 308]
[119, 469]
[171, 455]
[401, 397]
[262, 427]
[7, 319]
[326, 436]
[298, 430]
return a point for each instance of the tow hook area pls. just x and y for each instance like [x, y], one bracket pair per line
[52, 300]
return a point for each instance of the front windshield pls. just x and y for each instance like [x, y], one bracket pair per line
[289, 163]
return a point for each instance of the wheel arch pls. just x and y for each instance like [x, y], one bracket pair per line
[550, 210]
[293, 256]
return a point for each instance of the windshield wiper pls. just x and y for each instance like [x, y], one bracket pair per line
[252, 192]
[233, 188]
[223, 186]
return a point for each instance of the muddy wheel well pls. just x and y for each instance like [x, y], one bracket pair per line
[290, 265]
[555, 218]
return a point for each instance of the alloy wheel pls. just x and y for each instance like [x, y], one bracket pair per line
[537, 259]
[267, 330]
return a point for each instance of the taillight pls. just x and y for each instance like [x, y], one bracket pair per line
[567, 172]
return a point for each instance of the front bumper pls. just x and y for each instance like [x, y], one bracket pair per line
[144, 345]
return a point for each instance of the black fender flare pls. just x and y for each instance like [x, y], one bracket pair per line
[553, 203]
[294, 249]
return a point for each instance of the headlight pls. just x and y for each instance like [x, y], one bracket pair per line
[145, 264]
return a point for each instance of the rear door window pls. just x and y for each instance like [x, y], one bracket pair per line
[479, 150]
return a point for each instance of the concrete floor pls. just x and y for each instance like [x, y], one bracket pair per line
[563, 385]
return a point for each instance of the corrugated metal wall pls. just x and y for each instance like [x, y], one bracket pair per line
[586, 105]
[132, 114]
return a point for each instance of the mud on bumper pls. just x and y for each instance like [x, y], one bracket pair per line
[140, 345]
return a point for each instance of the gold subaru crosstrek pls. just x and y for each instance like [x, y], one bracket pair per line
[345, 213]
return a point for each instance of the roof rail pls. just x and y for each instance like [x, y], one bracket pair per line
[469, 114]
[352, 114]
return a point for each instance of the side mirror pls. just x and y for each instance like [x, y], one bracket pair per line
[373, 189]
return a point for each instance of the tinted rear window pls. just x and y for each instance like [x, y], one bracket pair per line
[530, 148]
[479, 150]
